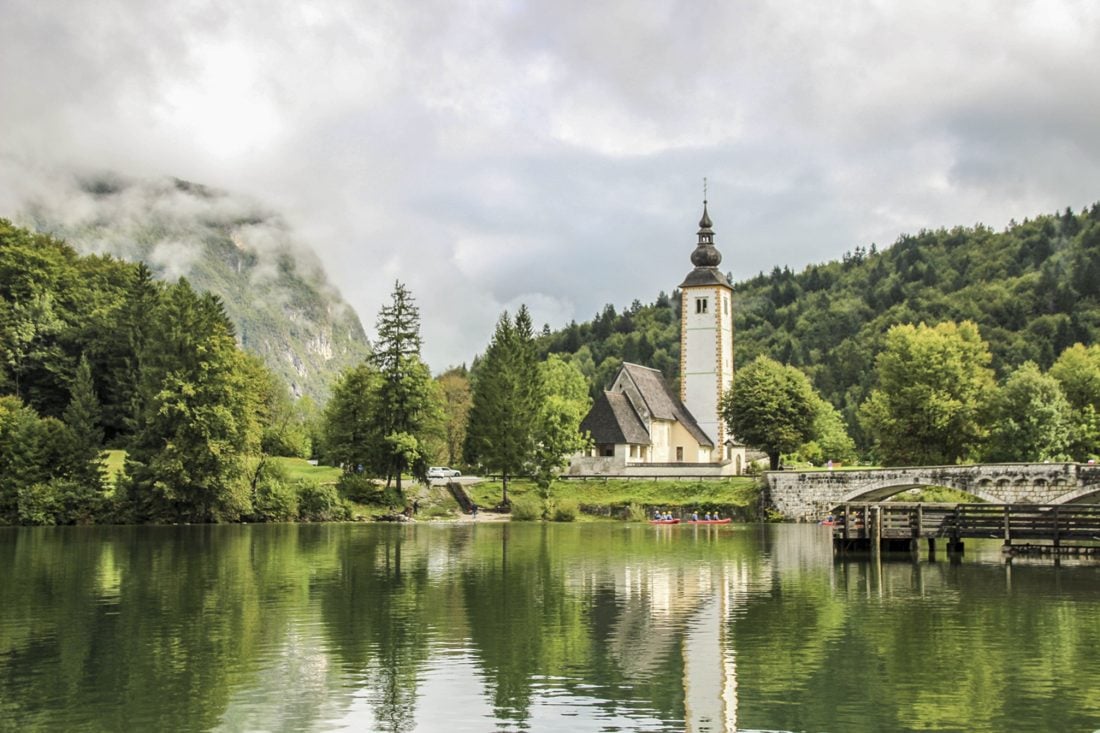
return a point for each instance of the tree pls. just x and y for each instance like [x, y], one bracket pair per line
[350, 435]
[932, 387]
[1078, 372]
[830, 440]
[406, 408]
[457, 398]
[200, 421]
[500, 435]
[564, 404]
[1030, 418]
[82, 422]
[771, 406]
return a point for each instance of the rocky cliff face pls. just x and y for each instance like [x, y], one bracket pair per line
[273, 286]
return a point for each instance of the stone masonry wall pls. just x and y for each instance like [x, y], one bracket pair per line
[810, 495]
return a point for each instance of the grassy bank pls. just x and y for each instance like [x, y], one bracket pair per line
[737, 494]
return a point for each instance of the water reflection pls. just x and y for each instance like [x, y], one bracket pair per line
[531, 627]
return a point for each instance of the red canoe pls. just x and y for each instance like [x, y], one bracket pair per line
[664, 521]
[709, 521]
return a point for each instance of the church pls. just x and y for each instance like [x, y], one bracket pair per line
[639, 426]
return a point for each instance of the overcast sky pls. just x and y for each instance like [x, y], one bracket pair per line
[552, 153]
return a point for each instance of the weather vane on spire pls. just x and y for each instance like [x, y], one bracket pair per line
[704, 189]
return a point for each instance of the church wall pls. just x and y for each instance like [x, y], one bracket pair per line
[706, 355]
[660, 436]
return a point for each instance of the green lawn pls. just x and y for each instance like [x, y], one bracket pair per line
[738, 491]
[113, 462]
[300, 468]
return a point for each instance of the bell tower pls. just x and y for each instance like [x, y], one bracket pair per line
[706, 337]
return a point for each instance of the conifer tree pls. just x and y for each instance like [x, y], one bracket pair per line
[82, 422]
[405, 402]
[507, 392]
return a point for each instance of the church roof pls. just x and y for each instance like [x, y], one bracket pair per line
[661, 402]
[705, 257]
[613, 419]
[705, 276]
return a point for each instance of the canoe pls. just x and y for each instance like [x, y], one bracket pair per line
[664, 521]
[709, 521]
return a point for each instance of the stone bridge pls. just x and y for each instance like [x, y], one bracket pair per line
[809, 495]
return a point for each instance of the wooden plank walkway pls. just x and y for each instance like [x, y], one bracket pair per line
[901, 525]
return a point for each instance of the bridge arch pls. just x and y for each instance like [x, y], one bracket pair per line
[888, 488]
[1083, 495]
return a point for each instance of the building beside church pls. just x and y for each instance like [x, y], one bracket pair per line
[639, 425]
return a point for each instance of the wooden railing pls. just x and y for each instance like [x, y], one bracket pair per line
[1011, 522]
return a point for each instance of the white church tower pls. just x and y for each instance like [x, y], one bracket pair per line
[706, 338]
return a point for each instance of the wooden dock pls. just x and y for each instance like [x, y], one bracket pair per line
[900, 526]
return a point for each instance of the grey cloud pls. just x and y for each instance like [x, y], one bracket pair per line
[486, 153]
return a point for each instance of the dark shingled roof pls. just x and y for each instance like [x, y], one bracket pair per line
[662, 404]
[612, 419]
[705, 276]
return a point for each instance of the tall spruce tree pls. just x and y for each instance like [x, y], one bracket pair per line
[507, 392]
[406, 402]
[199, 424]
[82, 422]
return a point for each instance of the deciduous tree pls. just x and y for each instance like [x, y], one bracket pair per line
[771, 406]
[933, 384]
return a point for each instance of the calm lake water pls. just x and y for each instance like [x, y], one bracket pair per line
[497, 627]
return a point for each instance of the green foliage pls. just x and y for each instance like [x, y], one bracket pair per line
[276, 501]
[406, 410]
[564, 403]
[321, 503]
[360, 488]
[1078, 372]
[933, 385]
[1030, 417]
[831, 441]
[527, 508]
[564, 510]
[506, 401]
[200, 421]
[771, 406]
[456, 398]
[351, 436]
[1029, 289]
[274, 290]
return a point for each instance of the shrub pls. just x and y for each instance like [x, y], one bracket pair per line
[276, 501]
[360, 488]
[526, 508]
[565, 510]
[321, 503]
[635, 512]
[37, 504]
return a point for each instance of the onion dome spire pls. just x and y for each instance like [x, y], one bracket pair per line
[705, 257]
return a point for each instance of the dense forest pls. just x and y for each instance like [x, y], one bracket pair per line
[95, 352]
[1033, 290]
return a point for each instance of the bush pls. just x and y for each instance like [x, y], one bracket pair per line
[565, 510]
[276, 501]
[321, 503]
[360, 488]
[78, 502]
[526, 508]
[635, 512]
[37, 504]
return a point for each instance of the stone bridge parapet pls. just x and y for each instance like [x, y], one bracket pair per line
[809, 495]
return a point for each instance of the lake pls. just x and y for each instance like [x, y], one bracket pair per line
[502, 627]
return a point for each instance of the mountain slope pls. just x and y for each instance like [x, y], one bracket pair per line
[273, 287]
[1033, 290]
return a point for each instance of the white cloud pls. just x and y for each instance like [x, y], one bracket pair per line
[486, 151]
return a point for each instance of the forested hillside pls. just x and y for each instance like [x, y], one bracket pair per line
[273, 288]
[1033, 290]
